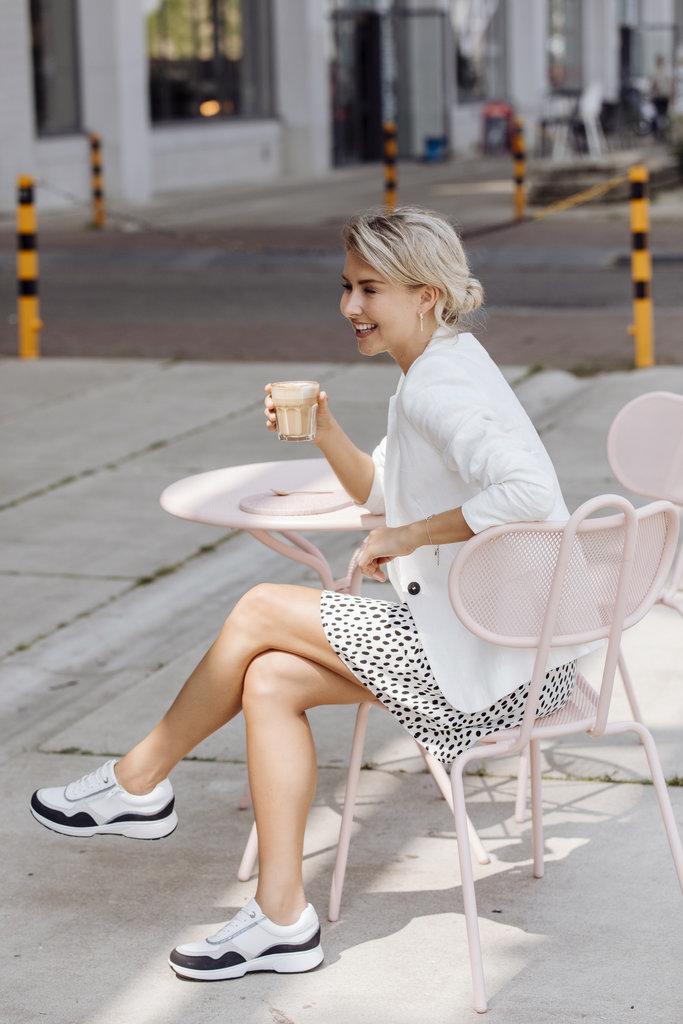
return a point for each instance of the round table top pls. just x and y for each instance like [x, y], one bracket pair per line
[214, 497]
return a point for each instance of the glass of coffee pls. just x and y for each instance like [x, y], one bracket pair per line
[296, 407]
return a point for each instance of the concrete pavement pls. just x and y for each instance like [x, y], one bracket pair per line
[109, 604]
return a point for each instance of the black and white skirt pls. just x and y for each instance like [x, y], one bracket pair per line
[378, 641]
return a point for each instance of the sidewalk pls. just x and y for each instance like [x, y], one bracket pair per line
[109, 603]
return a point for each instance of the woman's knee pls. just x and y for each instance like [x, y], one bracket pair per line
[256, 607]
[265, 681]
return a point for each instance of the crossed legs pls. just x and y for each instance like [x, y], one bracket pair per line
[271, 660]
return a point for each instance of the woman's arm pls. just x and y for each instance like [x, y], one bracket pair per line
[448, 527]
[473, 439]
[354, 469]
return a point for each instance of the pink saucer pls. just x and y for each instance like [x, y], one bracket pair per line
[295, 504]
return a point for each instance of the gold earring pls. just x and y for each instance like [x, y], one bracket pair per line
[422, 316]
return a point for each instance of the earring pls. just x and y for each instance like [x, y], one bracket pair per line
[422, 316]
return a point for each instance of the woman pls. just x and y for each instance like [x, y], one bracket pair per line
[460, 455]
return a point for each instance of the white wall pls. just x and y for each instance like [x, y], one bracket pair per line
[527, 64]
[601, 47]
[302, 89]
[202, 155]
[114, 92]
[17, 132]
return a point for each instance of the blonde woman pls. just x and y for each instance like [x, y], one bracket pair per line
[460, 455]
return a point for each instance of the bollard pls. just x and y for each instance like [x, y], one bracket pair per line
[642, 327]
[519, 168]
[28, 309]
[390, 160]
[99, 215]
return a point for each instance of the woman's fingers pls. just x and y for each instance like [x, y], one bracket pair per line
[269, 411]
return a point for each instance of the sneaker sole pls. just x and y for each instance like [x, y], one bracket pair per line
[282, 963]
[131, 830]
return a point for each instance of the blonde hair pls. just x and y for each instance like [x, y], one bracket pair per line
[416, 247]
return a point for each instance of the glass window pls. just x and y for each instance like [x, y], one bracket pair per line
[209, 58]
[55, 66]
[564, 46]
[479, 31]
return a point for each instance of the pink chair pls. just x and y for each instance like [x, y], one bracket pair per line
[543, 586]
[645, 452]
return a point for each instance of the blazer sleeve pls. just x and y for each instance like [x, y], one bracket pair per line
[474, 440]
[375, 499]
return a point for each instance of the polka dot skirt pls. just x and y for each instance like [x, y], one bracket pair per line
[379, 642]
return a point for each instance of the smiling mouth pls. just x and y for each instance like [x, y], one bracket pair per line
[363, 330]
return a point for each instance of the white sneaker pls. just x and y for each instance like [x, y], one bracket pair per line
[98, 804]
[250, 941]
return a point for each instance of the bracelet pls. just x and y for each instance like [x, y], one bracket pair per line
[436, 549]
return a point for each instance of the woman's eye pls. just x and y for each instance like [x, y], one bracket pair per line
[347, 288]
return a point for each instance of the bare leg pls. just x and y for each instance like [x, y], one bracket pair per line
[268, 617]
[278, 689]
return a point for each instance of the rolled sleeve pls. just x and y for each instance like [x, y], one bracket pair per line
[474, 440]
[375, 500]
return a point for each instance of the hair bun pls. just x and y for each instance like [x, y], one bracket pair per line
[474, 296]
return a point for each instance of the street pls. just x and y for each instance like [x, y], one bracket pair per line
[255, 274]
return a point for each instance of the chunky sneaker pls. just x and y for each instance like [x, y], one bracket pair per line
[98, 804]
[250, 941]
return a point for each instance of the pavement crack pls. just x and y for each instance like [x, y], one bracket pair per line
[141, 581]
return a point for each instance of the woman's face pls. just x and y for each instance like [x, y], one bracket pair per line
[385, 316]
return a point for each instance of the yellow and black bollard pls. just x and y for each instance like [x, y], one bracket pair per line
[99, 214]
[28, 308]
[642, 327]
[519, 168]
[390, 162]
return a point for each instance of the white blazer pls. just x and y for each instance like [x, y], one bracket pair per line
[458, 437]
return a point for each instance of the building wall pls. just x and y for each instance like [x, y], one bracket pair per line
[141, 159]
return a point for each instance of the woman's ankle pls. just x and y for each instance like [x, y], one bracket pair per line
[282, 911]
[134, 782]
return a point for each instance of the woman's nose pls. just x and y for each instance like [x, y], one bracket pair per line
[352, 306]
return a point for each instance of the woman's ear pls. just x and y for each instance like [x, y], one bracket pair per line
[428, 298]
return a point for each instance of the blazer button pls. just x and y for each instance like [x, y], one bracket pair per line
[413, 588]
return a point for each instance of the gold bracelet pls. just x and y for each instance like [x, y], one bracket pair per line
[436, 549]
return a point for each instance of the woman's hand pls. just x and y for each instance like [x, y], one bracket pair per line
[324, 418]
[383, 544]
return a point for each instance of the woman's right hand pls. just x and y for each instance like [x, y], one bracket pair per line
[324, 418]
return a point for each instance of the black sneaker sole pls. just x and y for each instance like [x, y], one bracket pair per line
[132, 827]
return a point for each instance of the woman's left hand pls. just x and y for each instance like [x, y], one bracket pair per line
[381, 546]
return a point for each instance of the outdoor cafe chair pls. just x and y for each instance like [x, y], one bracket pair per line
[548, 585]
[645, 454]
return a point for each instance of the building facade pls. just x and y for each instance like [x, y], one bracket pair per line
[201, 93]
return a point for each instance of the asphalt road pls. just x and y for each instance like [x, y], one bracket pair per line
[558, 293]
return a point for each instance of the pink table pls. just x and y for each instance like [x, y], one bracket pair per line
[214, 498]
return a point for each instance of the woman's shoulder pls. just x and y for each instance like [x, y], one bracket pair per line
[454, 364]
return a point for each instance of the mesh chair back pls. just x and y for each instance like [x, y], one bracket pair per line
[502, 582]
[645, 446]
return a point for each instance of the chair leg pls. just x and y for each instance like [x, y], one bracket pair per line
[468, 895]
[661, 789]
[522, 776]
[536, 807]
[628, 688]
[248, 862]
[440, 776]
[347, 812]
[245, 799]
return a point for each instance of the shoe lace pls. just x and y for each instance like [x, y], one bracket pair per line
[235, 924]
[90, 782]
